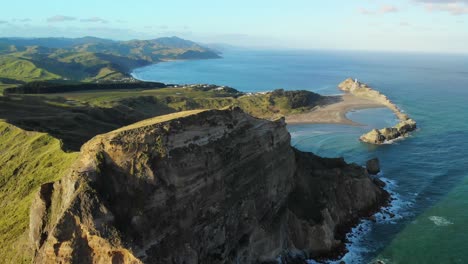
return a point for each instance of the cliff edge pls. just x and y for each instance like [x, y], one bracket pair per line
[214, 186]
[376, 136]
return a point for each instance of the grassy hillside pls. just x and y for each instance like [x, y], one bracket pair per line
[34, 65]
[89, 59]
[17, 68]
[28, 159]
[151, 50]
[76, 117]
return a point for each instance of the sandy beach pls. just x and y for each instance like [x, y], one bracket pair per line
[333, 110]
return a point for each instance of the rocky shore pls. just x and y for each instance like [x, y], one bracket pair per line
[380, 136]
[214, 186]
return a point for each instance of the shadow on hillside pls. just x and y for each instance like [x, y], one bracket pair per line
[75, 125]
[328, 100]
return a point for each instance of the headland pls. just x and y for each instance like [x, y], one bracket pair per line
[333, 109]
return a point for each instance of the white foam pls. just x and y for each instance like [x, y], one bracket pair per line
[440, 221]
[358, 245]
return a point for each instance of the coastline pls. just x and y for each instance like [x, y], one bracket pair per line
[387, 134]
[334, 110]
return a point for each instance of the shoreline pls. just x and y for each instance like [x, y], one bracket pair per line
[387, 134]
[333, 111]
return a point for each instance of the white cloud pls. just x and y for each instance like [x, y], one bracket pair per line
[388, 9]
[385, 9]
[21, 20]
[94, 20]
[454, 7]
[60, 18]
[365, 11]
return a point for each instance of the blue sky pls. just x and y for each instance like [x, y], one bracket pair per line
[397, 25]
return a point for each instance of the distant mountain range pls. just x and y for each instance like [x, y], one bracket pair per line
[89, 59]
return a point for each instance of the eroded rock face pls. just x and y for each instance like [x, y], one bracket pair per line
[215, 186]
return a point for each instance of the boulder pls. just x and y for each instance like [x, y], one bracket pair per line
[373, 166]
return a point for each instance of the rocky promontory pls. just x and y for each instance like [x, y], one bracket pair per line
[205, 186]
[376, 136]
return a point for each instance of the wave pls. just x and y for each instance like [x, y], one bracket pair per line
[360, 246]
[440, 221]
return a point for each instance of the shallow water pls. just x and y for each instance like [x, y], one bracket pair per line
[428, 172]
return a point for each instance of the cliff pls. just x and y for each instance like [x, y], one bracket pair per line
[214, 186]
[402, 129]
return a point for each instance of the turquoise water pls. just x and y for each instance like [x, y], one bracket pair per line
[428, 172]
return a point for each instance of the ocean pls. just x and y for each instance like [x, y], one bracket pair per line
[427, 173]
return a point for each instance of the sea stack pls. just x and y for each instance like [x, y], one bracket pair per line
[373, 166]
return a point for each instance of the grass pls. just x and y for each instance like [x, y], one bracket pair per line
[30, 66]
[24, 70]
[115, 97]
[28, 160]
[90, 62]
[159, 119]
[76, 117]
[4, 86]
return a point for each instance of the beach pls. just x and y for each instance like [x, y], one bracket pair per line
[333, 110]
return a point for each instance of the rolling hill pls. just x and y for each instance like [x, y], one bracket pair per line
[89, 59]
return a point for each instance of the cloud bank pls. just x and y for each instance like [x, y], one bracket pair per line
[385, 9]
[454, 7]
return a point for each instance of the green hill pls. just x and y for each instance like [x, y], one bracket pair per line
[89, 59]
[17, 68]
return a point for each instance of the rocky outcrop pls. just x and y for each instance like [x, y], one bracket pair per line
[402, 129]
[373, 166]
[216, 186]
[387, 134]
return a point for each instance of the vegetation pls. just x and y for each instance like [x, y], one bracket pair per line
[89, 59]
[13, 67]
[48, 88]
[28, 159]
[75, 117]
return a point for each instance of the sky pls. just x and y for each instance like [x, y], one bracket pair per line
[392, 25]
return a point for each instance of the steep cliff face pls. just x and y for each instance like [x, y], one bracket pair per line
[216, 186]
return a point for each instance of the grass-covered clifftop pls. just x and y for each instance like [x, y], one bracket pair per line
[78, 115]
[88, 59]
[27, 160]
